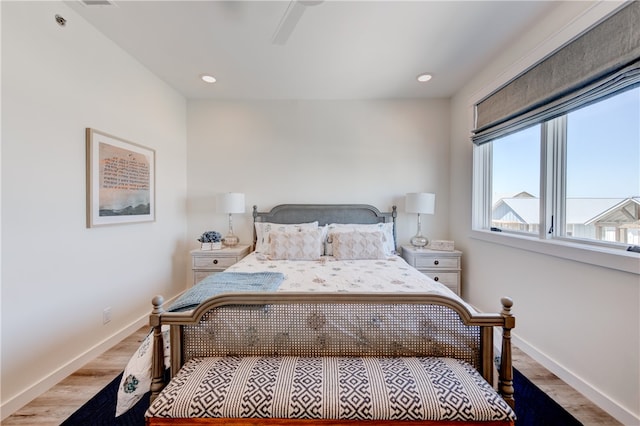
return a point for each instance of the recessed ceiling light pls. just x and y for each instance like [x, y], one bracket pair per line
[424, 77]
[208, 78]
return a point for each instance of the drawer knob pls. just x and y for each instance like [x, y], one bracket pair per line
[215, 261]
[436, 278]
[436, 262]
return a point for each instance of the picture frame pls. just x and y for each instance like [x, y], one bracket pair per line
[120, 180]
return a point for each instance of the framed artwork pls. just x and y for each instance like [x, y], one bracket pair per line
[120, 181]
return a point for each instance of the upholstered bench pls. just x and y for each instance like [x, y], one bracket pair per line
[358, 388]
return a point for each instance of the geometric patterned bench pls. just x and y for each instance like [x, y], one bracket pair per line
[358, 388]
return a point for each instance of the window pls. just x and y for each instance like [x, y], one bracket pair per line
[603, 170]
[571, 123]
[515, 181]
[575, 177]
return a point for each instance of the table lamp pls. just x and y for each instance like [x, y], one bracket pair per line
[231, 202]
[421, 203]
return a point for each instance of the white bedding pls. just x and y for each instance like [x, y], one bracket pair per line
[391, 274]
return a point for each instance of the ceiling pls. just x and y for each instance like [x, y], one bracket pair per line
[333, 49]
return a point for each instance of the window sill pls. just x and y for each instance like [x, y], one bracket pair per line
[607, 258]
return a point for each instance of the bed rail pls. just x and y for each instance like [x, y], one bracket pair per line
[201, 332]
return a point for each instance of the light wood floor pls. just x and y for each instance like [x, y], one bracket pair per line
[55, 405]
[62, 400]
[572, 401]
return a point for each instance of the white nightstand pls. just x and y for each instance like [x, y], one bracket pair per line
[442, 266]
[207, 262]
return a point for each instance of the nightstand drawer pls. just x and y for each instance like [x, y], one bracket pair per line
[207, 262]
[450, 279]
[442, 266]
[213, 262]
[433, 262]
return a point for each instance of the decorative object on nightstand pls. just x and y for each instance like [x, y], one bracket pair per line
[421, 203]
[443, 245]
[231, 202]
[207, 262]
[441, 266]
[210, 240]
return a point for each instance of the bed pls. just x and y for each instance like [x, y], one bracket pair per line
[324, 323]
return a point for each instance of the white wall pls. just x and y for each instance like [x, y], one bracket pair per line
[580, 320]
[57, 275]
[371, 152]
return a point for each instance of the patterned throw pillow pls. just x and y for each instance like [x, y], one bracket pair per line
[386, 228]
[358, 245]
[301, 245]
[136, 379]
[264, 229]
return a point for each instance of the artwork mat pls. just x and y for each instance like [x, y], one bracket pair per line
[94, 138]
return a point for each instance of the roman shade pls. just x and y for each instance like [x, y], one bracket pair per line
[601, 62]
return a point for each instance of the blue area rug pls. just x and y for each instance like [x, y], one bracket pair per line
[533, 408]
[536, 408]
[101, 409]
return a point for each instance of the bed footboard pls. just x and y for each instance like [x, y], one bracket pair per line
[330, 324]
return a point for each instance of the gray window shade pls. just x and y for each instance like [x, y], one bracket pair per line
[601, 62]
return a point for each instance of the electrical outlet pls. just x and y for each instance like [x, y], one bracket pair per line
[106, 315]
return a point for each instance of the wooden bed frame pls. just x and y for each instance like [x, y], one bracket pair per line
[181, 322]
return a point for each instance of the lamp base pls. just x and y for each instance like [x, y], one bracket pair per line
[230, 240]
[419, 241]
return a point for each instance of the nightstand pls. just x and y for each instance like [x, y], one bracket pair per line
[442, 266]
[207, 262]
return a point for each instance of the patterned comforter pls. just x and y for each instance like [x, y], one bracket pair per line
[392, 275]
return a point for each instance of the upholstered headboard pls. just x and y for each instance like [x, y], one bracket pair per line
[325, 214]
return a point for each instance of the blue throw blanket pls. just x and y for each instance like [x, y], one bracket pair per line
[226, 282]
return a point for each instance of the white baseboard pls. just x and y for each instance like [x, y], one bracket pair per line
[614, 409]
[14, 404]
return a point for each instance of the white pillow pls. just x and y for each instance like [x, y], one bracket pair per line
[263, 229]
[355, 245]
[386, 228]
[304, 245]
[136, 379]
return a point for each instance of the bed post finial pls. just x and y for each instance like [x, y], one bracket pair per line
[505, 382]
[157, 304]
[157, 363]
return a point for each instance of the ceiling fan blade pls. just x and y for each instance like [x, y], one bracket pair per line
[288, 22]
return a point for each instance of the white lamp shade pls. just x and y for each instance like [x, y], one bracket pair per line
[231, 202]
[420, 202]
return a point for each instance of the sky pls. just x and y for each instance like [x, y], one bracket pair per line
[603, 152]
[603, 148]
